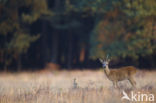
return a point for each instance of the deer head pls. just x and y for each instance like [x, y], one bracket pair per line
[104, 62]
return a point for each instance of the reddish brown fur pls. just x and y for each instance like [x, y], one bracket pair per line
[121, 74]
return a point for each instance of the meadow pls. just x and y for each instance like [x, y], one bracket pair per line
[75, 86]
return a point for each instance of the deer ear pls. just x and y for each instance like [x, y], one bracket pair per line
[100, 60]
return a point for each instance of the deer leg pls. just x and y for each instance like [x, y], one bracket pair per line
[132, 81]
[115, 84]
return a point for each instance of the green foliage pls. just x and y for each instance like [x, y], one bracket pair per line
[15, 26]
[7, 26]
[3, 1]
[93, 6]
[21, 42]
[140, 8]
[130, 33]
[38, 8]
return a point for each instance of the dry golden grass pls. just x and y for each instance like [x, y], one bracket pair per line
[59, 87]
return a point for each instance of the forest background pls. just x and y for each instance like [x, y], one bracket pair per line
[75, 33]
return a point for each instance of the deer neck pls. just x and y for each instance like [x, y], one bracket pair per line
[107, 71]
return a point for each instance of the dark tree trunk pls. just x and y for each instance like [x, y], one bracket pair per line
[55, 38]
[5, 62]
[5, 56]
[19, 63]
[153, 41]
[55, 44]
[70, 53]
[87, 47]
[44, 49]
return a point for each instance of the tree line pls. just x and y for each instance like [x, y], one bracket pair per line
[75, 33]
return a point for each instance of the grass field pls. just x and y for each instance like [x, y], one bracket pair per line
[59, 87]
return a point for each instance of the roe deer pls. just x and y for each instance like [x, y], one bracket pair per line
[115, 75]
